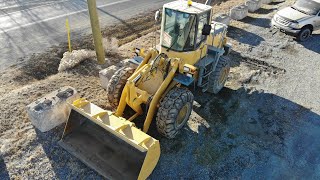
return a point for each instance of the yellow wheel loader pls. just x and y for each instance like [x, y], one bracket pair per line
[191, 54]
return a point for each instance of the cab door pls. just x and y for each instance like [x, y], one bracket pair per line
[201, 39]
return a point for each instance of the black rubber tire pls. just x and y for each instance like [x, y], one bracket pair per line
[304, 34]
[171, 105]
[116, 85]
[214, 84]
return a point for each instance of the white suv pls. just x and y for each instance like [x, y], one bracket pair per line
[301, 19]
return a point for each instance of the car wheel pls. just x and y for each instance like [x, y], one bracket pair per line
[304, 34]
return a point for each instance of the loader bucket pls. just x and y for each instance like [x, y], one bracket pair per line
[111, 145]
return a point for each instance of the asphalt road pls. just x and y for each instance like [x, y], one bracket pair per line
[31, 26]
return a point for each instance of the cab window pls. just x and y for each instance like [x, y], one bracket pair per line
[179, 30]
[203, 19]
[191, 37]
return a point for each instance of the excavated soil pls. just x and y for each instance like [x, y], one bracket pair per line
[259, 126]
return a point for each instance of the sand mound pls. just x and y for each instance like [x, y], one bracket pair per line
[71, 59]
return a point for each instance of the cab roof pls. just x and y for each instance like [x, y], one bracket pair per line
[182, 6]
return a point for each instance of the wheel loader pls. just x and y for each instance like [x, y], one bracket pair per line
[191, 55]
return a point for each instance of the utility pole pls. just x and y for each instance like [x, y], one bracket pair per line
[96, 32]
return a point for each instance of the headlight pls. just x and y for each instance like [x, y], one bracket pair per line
[294, 25]
[186, 69]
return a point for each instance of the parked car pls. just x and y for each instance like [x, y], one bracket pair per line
[301, 19]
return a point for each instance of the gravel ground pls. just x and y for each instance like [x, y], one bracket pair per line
[263, 125]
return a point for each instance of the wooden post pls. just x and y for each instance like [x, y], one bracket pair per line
[96, 32]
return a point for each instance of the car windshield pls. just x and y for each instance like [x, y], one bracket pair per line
[179, 30]
[307, 6]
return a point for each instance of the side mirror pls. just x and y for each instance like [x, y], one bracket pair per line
[157, 16]
[206, 29]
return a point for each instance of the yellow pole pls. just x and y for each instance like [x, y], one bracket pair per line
[68, 31]
[96, 32]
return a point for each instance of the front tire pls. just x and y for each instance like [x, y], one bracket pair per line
[219, 76]
[174, 111]
[304, 34]
[116, 85]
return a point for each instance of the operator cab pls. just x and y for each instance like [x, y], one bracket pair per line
[183, 25]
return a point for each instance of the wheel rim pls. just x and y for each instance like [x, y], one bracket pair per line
[223, 77]
[183, 115]
[305, 35]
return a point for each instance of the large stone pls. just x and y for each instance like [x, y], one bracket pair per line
[254, 5]
[222, 18]
[266, 1]
[106, 74]
[52, 109]
[239, 12]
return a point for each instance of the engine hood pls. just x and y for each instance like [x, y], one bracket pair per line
[292, 14]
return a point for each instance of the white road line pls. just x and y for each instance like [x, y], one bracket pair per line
[56, 17]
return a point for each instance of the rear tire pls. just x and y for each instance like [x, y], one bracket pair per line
[116, 85]
[174, 111]
[304, 34]
[219, 76]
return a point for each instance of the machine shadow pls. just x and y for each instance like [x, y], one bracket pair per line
[62, 162]
[238, 127]
[237, 123]
[4, 174]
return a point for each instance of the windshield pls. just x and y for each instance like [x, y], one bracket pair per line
[179, 30]
[307, 6]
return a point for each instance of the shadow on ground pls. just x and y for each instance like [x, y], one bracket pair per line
[261, 22]
[64, 165]
[243, 134]
[276, 2]
[264, 10]
[4, 174]
[313, 43]
[244, 36]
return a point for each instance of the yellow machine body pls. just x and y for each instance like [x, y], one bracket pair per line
[114, 146]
